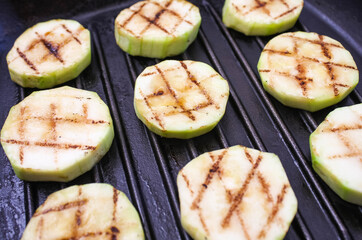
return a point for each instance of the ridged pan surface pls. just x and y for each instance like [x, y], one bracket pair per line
[145, 166]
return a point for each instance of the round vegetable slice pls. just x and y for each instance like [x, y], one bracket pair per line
[91, 211]
[261, 17]
[157, 28]
[49, 53]
[236, 193]
[57, 135]
[307, 70]
[336, 149]
[180, 99]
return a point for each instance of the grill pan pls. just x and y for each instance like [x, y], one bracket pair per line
[143, 165]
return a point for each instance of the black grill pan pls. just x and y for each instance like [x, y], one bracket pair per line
[144, 165]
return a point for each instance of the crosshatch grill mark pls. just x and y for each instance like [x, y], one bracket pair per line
[263, 6]
[236, 199]
[113, 231]
[52, 120]
[154, 21]
[179, 108]
[52, 48]
[301, 78]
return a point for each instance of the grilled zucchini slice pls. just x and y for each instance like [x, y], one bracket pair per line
[261, 17]
[236, 193]
[157, 28]
[49, 53]
[336, 149]
[91, 211]
[57, 135]
[180, 99]
[307, 70]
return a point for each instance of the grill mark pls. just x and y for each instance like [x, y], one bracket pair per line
[78, 215]
[134, 13]
[156, 72]
[325, 50]
[53, 130]
[348, 155]
[285, 3]
[264, 70]
[344, 128]
[240, 194]
[115, 231]
[39, 228]
[242, 223]
[72, 120]
[182, 19]
[259, 5]
[21, 131]
[71, 33]
[332, 78]
[49, 144]
[274, 212]
[62, 207]
[208, 179]
[27, 61]
[265, 186]
[154, 113]
[286, 74]
[198, 107]
[301, 78]
[194, 81]
[313, 41]
[187, 181]
[52, 49]
[350, 145]
[86, 235]
[154, 22]
[173, 94]
[286, 12]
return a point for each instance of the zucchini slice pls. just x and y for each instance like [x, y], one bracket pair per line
[180, 99]
[91, 211]
[236, 193]
[307, 70]
[261, 17]
[157, 28]
[57, 135]
[49, 53]
[336, 149]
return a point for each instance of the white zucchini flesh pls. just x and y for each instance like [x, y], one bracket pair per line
[49, 53]
[180, 99]
[336, 149]
[92, 211]
[261, 17]
[157, 28]
[236, 193]
[56, 135]
[307, 70]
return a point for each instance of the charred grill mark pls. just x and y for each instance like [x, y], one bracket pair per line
[332, 78]
[194, 81]
[62, 207]
[181, 19]
[352, 148]
[208, 179]
[115, 231]
[51, 48]
[134, 13]
[85, 111]
[242, 223]
[285, 3]
[240, 194]
[302, 80]
[26, 60]
[49, 144]
[39, 228]
[344, 128]
[53, 122]
[325, 50]
[154, 113]
[286, 74]
[78, 215]
[154, 22]
[259, 4]
[202, 189]
[71, 120]
[71, 33]
[264, 70]
[265, 186]
[313, 41]
[274, 212]
[173, 94]
[21, 131]
[87, 235]
[348, 155]
[187, 181]
[277, 51]
[286, 12]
